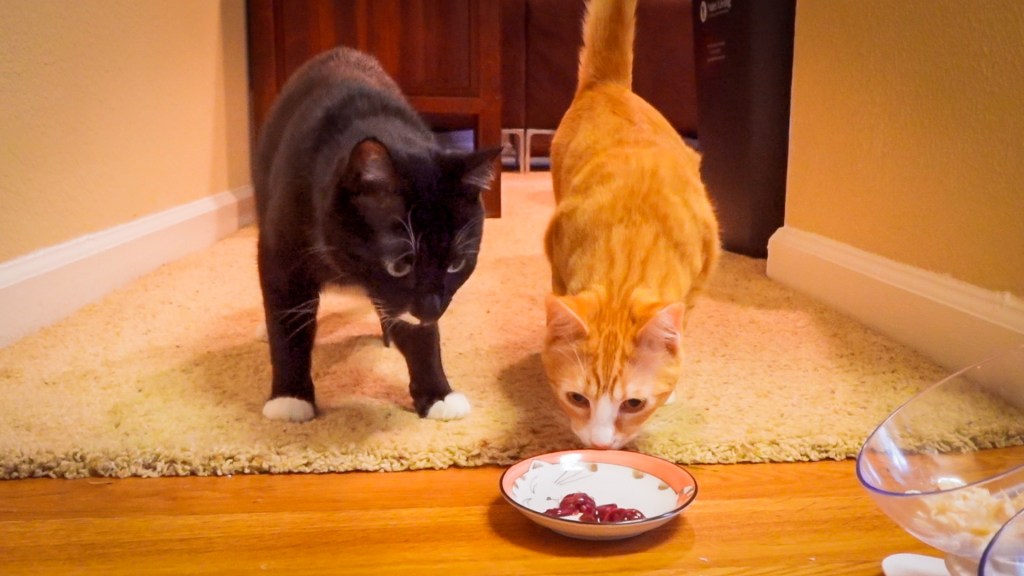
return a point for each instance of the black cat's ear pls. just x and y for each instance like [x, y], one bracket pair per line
[369, 183]
[476, 169]
[369, 166]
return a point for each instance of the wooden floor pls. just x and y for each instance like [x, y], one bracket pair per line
[793, 519]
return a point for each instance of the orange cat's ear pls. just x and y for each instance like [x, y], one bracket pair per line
[664, 331]
[564, 322]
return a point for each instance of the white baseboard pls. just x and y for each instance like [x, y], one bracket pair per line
[952, 322]
[41, 288]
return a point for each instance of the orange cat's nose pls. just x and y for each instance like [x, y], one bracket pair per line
[601, 443]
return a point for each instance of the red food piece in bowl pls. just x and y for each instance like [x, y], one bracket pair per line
[624, 515]
[604, 510]
[576, 500]
[582, 504]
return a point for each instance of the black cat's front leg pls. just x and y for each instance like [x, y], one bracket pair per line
[431, 394]
[290, 303]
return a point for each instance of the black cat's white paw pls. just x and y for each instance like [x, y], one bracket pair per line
[289, 409]
[454, 406]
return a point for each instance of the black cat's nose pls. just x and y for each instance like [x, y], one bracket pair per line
[428, 309]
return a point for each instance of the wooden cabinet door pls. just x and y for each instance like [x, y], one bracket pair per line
[444, 54]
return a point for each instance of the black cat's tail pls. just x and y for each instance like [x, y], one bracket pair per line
[607, 54]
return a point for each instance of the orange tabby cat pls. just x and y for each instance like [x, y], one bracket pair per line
[631, 243]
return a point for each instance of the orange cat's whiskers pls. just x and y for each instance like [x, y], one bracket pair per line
[666, 415]
[573, 355]
[579, 361]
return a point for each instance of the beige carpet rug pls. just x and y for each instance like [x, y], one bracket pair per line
[167, 376]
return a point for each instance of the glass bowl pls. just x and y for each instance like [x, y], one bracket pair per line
[659, 489]
[948, 465]
[1004, 555]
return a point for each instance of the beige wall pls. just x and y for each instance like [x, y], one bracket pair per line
[115, 109]
[907, 135]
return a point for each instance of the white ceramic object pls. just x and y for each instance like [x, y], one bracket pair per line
[656, 487]
[914, 565]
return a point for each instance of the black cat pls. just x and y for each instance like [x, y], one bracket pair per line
[352, 188]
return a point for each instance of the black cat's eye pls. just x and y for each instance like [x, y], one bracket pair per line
[457, 265]
[399, 267]
[577, 399]
[633, 405]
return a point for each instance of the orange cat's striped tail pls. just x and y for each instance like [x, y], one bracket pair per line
[607, 54]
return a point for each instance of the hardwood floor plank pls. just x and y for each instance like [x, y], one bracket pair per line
[793, 519]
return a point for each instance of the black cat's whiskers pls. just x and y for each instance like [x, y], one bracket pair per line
[378, 305]
[323, 252]
[305, 312]
[296, 311]
[463, 238]
[412, 240]
[339, 278]
[386, 320]
[317, 250]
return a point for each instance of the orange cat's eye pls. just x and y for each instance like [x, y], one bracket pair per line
[633, 405]
[577, 399]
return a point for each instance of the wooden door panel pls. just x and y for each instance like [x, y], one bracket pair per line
[444, 54]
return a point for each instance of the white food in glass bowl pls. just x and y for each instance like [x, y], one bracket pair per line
[970, 515]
